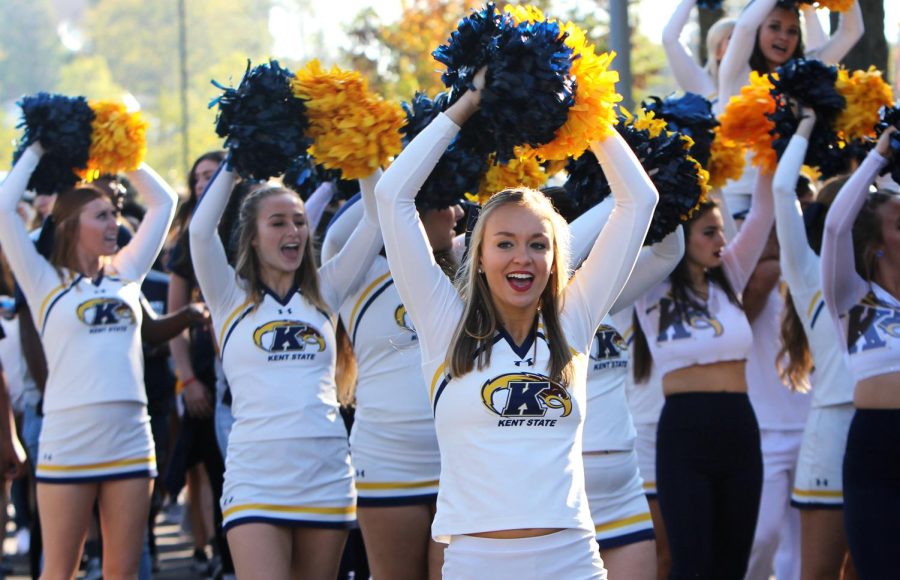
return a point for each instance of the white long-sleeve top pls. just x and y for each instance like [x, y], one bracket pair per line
[801, 269]
[691, 77]
[722, 332]
[510, 438]
[865, 314]
[90, 329]
[279, 355]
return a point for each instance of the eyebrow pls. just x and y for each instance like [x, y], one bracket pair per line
[512, 235]
[282, 214]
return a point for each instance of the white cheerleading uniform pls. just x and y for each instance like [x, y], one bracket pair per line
[818, 483]
[510, 438]
[96, 425]
[393, 442]
[288, 460]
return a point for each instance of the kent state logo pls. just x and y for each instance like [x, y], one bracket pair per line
[670, 320]
[101, 313]
[401, 317]
[607, 348]
[289, 339]
[526, 399]
[870, 324]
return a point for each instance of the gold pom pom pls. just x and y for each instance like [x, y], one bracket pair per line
[835, 5]
[593, 116]
[726, 160]
[522, 171]
[744, 121]
[703, 182]
[118, 140]
[352, 128]
[866, 92]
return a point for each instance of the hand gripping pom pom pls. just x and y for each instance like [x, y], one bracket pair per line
[353, 129]
[118, 140]
[63, 127]
[459, 170]
[890, 117]
[263, 123]
[689, 115]
[469, 48]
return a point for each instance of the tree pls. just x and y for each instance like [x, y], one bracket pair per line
[30, 50]
[872, 48]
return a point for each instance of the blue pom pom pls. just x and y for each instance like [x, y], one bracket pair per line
[527, 94]
[63, 127]
[890, 117]
[689, 115]
[711, 5]
[459, 169]
[470, 47]
[263, 123]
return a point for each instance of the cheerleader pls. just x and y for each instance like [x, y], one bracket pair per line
[506, 358]
[862, 229]
[95, 444]
[708, 460]
[808, 339]
[288, 497]
[691, 77]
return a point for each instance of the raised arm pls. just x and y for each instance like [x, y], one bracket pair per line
[850, 30]
[741, 255]
[215, 276]
[30, 268]
[432, 302]
[584, 230]
[735, 64]
[842, 287]
[135, 260]
[816, 37]
[594, 288]
[799, 264]
[316, 204]
[654, 264]
[691, 77]
[342, 273]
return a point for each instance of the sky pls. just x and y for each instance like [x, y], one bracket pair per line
[332, 15]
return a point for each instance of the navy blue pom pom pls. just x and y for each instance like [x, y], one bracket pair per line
[459, 169]
[63, 127]
[689, 115]
[470, 47]
[665, 159]
[711, 5]
[890, 117]
[305, 176]
[263, 123]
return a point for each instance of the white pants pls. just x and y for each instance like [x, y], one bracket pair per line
[778, 525]
[570, 554]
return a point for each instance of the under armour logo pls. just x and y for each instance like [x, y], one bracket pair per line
[527, 362]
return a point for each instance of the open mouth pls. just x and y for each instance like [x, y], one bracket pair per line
[290, 251]
[782, 50]
[520, 281]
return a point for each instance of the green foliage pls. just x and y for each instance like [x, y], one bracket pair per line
[30, 51]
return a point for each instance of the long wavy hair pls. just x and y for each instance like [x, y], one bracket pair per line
[868, 233]
[757, 60]
[472, 340]
[247, 269]
[683, 298]
[67, 224]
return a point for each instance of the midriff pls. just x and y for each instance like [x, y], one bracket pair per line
[878, 392]
[516, 534]
[719, 377]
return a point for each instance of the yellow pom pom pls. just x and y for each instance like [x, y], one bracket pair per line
[866, 92]
[835, 5]
[522, 171]
[593, 116]
[744, 121]
[646, 120]
[118, 140]
[703, 182]
[726, 160]
[352, 128]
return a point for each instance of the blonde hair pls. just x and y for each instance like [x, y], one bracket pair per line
[67, 223]
[473, 338]
[715, 36]
[306, 278]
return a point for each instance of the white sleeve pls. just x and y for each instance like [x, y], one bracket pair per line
[216, 277]
[431, 300]
[595, 286]
[341, 228]
[740, 256]
[135, 260]
[654, 264]
[815, 35]
[849, 31]
[734, 68]
[316, 204]
[584, 230]
[729, 226]
[32, 271]
[799, 264]
[341, 275]
[691, 77]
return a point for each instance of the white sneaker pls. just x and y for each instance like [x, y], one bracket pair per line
[23, 541]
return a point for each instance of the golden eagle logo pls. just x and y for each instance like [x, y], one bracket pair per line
[288, 336]
[105, 311]
[525, 395]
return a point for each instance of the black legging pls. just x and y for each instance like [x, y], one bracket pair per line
[709, 480]
[872, 492]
